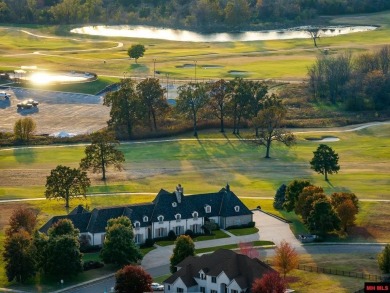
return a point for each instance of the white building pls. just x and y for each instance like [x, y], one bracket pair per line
[223, 271]
[169, 211]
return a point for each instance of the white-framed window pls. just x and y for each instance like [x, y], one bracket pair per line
[174, 204]
[213, 279]
[195, 215]
[207, 208]
[178, 217]
[160, 232]
[213, 291]
[237, 208]
[233, 291]
[202, 290]
[160, 219]
[179, 230]
[137, 225]
[145, 219]
[179, 290]
[195, 228]
[138, 238]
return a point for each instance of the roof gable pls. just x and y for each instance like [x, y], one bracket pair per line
[237, 267]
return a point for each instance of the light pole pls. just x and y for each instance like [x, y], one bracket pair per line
[167, 84]
[154, 67]
[195, 68]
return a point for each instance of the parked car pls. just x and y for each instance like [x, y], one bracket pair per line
[27, 104]
[5, 95]
[157, 287]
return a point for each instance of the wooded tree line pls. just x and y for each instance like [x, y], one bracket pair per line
[361, 82]
[239, 101]
[144, 104]
[200, 14]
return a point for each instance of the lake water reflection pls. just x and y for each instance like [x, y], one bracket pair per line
[148, 32]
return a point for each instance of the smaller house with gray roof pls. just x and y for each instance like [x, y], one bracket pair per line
[168, 211]
[223, 271]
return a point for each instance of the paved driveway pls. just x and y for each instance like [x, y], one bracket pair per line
[274, 230]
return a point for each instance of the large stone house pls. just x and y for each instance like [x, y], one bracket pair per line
[223, 271]
[168, 211]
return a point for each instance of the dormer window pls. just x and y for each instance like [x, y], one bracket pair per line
[195, 215]
[178, 217]
[237, 208]
[160, 219]
[174, 204]
[137, 225]
[207, 208]
[146, 219]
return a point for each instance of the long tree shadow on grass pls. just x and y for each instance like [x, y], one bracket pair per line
[25, 155]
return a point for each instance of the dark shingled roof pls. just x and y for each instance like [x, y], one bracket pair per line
[241, 268]
[80, 221]
[222, 203]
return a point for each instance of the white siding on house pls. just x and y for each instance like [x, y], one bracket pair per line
[234, 286]
[177, 284]
[238, 220]
[160, 227]
[142, 233]
[98, 238]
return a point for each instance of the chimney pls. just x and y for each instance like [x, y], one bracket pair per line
[179, 193]
[227, 187]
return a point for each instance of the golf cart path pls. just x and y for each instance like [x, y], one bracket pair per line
[350, 128]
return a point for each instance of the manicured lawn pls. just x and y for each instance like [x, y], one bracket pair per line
[243, 231]
[363, 158]
[217, 234]
[232, 246]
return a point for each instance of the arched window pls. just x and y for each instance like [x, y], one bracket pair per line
[137, 224]
[178, 217]
[174, 204]
[146, 218]
[160, 219]
[207, 208]
[195, 215]
[237, 208]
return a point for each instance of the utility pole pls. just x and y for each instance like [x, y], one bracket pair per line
[154, 67]
[167, 84]
[195, 68]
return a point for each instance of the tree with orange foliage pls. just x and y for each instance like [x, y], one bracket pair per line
[286, 258]
[347, 206]
[269, 283]
[347, 213]
[22, 219]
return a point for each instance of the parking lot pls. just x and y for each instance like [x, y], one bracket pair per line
[57, 112]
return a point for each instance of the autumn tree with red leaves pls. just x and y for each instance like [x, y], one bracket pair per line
[246, 248]
[269, 283]
[132, 279]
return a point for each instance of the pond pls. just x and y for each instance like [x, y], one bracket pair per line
[148, 32]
